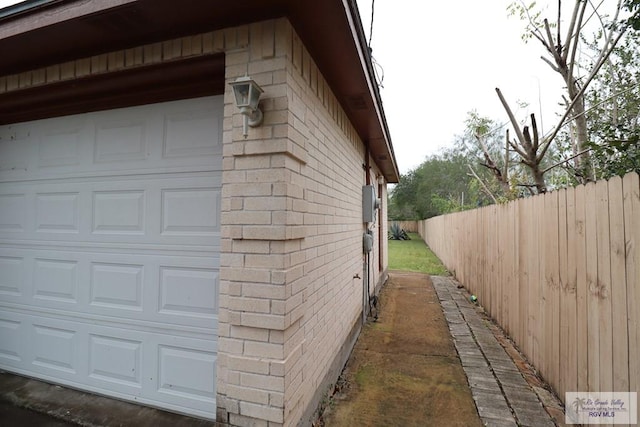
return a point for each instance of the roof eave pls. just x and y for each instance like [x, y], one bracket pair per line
[367, 64]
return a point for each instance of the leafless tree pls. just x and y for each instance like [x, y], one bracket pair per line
[562, 52]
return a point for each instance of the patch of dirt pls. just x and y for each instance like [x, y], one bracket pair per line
[404, 370]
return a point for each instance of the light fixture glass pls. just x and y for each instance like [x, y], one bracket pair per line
[247, 94]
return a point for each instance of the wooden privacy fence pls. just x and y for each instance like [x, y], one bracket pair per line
[408, 226]
[560, 272]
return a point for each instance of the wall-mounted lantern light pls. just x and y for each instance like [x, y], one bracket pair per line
[247, 94]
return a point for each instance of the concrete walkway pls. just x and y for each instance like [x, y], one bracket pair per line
[501, 393]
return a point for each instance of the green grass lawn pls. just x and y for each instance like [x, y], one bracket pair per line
[414, 255]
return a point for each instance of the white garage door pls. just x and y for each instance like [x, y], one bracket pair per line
[109, 251]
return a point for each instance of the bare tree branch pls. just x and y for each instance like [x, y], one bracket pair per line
[536, 138]
[517, 149]
[526, 143]
[486, 189]
[558, 34]
[554, 50]
[551, 64]
[506, 157]
[512, 118]
[527, 152]
[491, 164]
[574, 37]
[565, 160]
[608, 46]
[540, 38]
[604, 101]
[590, 77]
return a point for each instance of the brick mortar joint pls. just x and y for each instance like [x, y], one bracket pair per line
[258, 239]
[269, 153]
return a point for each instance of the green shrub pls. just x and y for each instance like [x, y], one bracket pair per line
[397, 233]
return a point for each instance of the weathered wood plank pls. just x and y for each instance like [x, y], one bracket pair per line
[631, 201]
[619, 326]
[528, 257]
[514, 308]
[538, 269]
[567, 302]
[523, 276]
[603, 287]
[551, 289]
[509, 284]
[582, 288]
[593, 338]
[493, 270]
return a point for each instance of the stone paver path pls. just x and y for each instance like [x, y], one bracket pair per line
[501, 394]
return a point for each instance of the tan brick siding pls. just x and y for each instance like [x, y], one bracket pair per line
[292, 233]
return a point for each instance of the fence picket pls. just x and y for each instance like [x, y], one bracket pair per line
[619, 325]
[631, 201]
[523, 275]
[551, 294]
[603, 285]
[593, 338]
[512, 305]
[567, 303]
[582, 289]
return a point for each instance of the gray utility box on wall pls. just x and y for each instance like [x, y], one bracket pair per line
[367, 241]
[370, 203]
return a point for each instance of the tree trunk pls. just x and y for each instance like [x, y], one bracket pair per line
[582, 162]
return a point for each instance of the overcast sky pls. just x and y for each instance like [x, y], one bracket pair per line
[442, 59]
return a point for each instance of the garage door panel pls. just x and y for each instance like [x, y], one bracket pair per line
[182, 374]
[188, 133]
[176, 369]
[12, 276]
[13, 213]
[60, 148]
[117, 285]
[185, 372]
[54, 347]
[116, 361]
[56, 280]
[190, 212]
[112, 359]
[15, 147]
[167, 137]
[173, 290]
[12, 331]
[57, 212]
[118, 212]
[188, 292]
[121, 141]
[109, 251]
[181, 210]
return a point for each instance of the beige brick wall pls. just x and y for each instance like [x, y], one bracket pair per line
[292, 262]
